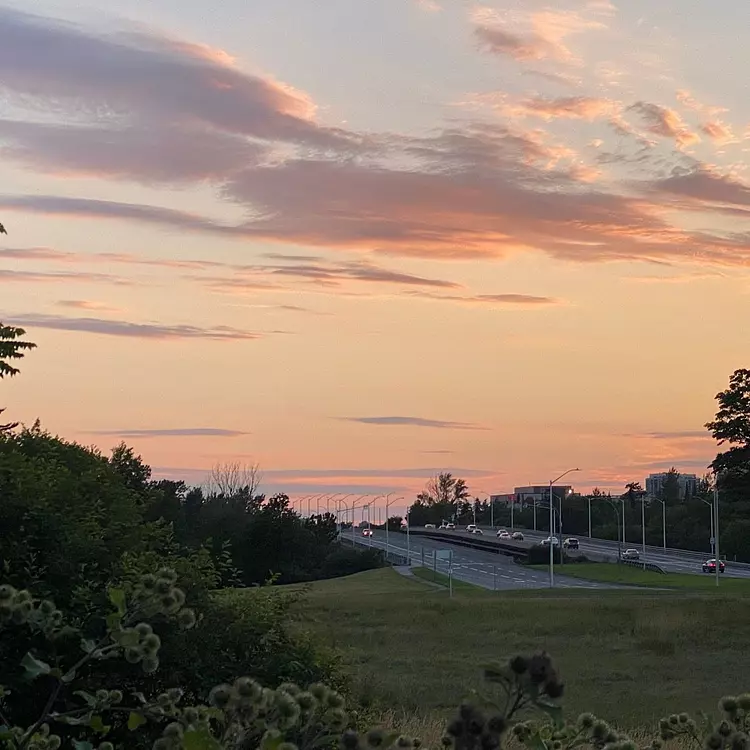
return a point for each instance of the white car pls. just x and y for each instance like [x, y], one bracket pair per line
[367, 532]
[553, 539]
[476, 530]
[630, 554]
[450, 526]
[430, 526]
[471, 527]
[502, 534]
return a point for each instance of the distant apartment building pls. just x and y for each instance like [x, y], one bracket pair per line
[538, 493]
[504, 499]
[688, 484]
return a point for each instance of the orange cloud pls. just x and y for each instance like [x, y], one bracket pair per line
[718, 131]
[665, 122]
[543, 39]
[570, 107]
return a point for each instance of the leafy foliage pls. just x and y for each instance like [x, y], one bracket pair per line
[11, 347]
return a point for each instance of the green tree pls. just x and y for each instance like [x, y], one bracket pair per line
[670, 489]
[633, 492]
[11, 347]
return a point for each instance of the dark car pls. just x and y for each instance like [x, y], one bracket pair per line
[571, 543]
[710, 566]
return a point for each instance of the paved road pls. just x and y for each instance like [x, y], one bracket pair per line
[481, 568]
[672, 561]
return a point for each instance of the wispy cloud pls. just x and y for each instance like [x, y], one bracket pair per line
[173, 432]
[10, 276]
[127, 329]
[665, 122]
[87, 304]
[438, 424]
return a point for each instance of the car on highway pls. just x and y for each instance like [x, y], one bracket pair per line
[450, 526]
[367, 532]
[430, 526]
[630, 554]
[470, 528]
[517, 535]
[571, 543]
[710, 566]
[553, 539]
[503, 534]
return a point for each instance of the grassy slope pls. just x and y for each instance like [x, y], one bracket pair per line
[638, 577]
[630, 657]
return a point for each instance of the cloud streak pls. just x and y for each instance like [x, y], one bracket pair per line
[173, 432]
[437, 424]
[127, 329]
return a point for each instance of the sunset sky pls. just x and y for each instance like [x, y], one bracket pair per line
[361, 241]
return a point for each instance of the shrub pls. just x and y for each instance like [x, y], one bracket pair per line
[344, 561]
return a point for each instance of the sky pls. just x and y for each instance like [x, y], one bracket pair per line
[359, 243]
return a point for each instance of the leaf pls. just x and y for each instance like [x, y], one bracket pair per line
[140, 696]
[136, 720]
[554, 711]
[113, 620]
[271, 740]
[69, 676]
[74, 721]
[98, 725]
[87, 697]
[34, 667]
[117, 597]
[81, 745]
[87, 645]
[200, 740]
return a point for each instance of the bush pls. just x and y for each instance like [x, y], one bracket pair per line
[344, 561]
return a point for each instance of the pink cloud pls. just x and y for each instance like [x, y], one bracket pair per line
[542, 39]
[718, 131]
[665, 122]
[570, 107]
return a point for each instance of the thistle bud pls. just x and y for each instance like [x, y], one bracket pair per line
[163, 586]
[446, 741]
[714, 742]
[7, 593]
[173, 730]
[186, 619]
[47, 607]
[151, 643]
[335, 700]
[497, 724]
[724, 729]
[319, 690]
[174, 694]
[102, 696]
[307, 701]
[150, 664]
[148, 581]
[53, 742]
[403, 742]
[728, 704]
[115, 697]
[586, 721]
[350, 740]
[106, 746]
[168, 574]
[220, 696]
[163, 743]
[143, 629]
[133, 655]
[519, 664]
[739, 741]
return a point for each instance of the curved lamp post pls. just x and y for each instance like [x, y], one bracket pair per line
[552, 526]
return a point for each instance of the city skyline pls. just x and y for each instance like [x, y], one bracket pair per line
[360, 244]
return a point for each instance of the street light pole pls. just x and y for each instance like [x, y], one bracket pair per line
[589, 499]
[716, 528]
[354, 505]
[551, 527]
[387, 505]
[663, 522]
[643, 528]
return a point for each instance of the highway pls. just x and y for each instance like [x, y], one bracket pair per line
[480, 568]
[499, 572]
[671, 561]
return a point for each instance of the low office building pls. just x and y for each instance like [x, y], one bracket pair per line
[538, 493]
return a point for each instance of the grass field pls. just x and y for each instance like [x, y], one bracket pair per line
[638, 577]
[628, 656]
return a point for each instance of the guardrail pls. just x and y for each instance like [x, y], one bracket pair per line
[647, 566]
[389, 556]
[498, 548]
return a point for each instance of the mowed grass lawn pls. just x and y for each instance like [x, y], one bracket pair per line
[628, 656]
[633, 576]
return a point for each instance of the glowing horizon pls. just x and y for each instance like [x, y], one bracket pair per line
[361, 244]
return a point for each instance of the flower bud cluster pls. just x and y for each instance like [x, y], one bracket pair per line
[20, 608]
[157, 594]
[42, 739]
[473, 730]
[540, 672]
[675, 725]
[141, 646]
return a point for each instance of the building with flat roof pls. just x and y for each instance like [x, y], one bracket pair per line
[537, 493]
[688, 484]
